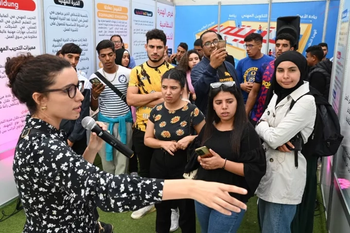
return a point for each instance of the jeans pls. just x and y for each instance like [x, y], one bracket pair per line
[275, 218]
[212, 221]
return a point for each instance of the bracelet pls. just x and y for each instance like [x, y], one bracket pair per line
[93, 97]
[224, 164]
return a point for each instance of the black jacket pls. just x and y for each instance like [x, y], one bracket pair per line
[320, 77]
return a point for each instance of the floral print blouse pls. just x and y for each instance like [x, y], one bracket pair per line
[59, 190]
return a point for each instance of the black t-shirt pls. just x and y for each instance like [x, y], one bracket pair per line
[251, 155]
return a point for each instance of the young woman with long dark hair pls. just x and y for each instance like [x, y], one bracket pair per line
[237, 156]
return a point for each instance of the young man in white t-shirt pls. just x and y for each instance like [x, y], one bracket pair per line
[113, 111]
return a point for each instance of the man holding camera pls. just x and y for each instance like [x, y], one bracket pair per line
[212, 68]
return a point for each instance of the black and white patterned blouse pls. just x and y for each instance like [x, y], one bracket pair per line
[59, 190]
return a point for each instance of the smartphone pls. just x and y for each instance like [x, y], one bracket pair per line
[221, 44]
[95, 81]
[203, 152]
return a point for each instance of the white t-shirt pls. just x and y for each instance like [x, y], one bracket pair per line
[110, 104]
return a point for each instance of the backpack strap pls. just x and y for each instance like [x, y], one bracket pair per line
[298, 134]
[110, 85]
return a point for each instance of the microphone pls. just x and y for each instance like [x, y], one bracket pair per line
[90, 124]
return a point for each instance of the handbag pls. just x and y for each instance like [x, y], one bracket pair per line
[110, 85]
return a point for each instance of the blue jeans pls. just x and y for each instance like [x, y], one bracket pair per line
[275, 218]
[212, 221]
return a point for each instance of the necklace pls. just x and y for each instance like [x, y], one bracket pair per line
[115, 75]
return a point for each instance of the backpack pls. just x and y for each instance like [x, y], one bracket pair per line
[325, 138]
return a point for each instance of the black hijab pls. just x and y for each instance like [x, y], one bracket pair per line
[119, 56]
[300, 61]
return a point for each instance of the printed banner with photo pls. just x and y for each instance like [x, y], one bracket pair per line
[190, 21]
[143, 20]
[237, 21]
[112, 18]
[165, 22]
[70, 22]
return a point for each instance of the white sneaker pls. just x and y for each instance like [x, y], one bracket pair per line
[174, 220]
[134, 174]
[137, 214]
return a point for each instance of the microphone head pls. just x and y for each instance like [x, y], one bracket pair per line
[88, 123]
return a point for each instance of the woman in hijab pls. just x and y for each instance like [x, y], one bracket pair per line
[282, 187]
[122, 57]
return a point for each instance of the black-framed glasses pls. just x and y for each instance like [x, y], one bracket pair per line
[219, 84]
[209, 43]
[71, 89]
[248, 46]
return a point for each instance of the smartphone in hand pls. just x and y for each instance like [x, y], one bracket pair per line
[95, 81]
[203, 152]
[221, 44]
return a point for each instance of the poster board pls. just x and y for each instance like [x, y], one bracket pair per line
[70, 22]
[143, 20]
[112, 18]
[166, 22]
[19, 34]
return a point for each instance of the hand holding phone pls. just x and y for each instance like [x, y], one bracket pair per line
[203, 152]
[95, 81]
[221, 44]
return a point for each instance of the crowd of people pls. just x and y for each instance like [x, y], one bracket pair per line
[163, 109]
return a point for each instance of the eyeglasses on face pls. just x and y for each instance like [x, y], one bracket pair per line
[219, 84]
[249, 46]
[208, 43]
[117, 42]
[71, 89]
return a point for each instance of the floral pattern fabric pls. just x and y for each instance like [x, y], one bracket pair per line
[60, 190]
[172, 125]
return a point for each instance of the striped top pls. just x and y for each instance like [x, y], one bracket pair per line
[109, 103]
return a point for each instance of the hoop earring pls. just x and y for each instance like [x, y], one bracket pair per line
[43, 108]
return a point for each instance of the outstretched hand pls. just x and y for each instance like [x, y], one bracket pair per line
[216, 196]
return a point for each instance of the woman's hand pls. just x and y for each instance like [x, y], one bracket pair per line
[183, 143]
[284, 147]
[213, 162]
[169, 146]
[212, 194]
[95, 142]
[216, 196]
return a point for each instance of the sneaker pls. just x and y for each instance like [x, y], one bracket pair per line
[174, 220]
[102, 227]
[134, 174]
[143, 211]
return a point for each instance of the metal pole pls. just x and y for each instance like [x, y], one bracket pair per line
[268, 28]
[219, 15]
[325, 22]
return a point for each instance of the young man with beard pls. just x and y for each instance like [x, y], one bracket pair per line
[144, 92]
[257, 96]
[77, 138]
[212, 68]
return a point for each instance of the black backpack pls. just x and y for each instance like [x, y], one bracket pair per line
[325, 138]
